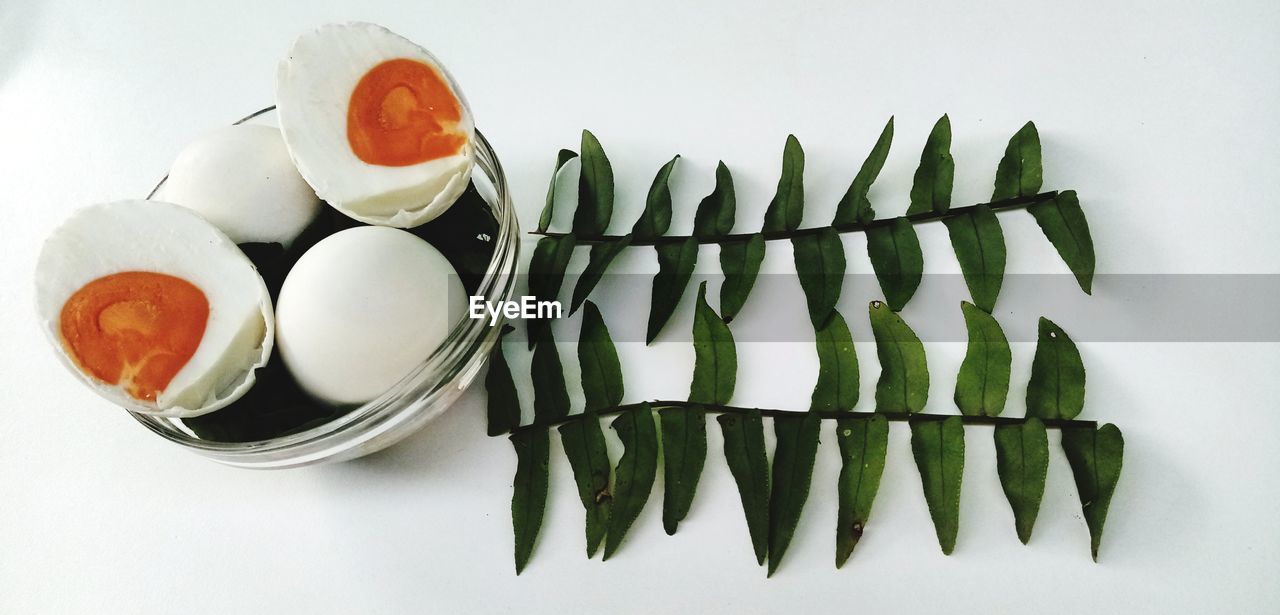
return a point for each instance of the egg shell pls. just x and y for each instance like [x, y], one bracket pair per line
[362, 309]
[314, 87]
[241, 179]
[137, 235]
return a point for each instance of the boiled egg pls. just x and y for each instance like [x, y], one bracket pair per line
[362, 309]
[375, 124]
[153, 307]
[241, 179]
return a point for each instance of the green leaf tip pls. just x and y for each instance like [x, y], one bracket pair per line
[1056, 389]
[601, 371]
[740, 261]
[529, 494]
[584, 446]
[684, 453]
[635, 473]
[931, 187]
[978, 241]
[938, 448]
[1022, 461]
[982, 385]
[745, 453]
[715, 364]
[838, 378]
[675, 267]
[548, 210]
[793, 460]
[820, 266]
[1020, 172]
[855, 207]
[656, 217]
[787, 207]
[904, 373]
[1063, 222]
[1096, 458]
[595, 189]
[601, 257]
[896, 258]
[863, 444]
[503, 403]
[715, 214]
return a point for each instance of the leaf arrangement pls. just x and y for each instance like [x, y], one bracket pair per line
[773, 494]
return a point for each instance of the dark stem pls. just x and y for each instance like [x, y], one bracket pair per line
[823, 414]
[1020, 202]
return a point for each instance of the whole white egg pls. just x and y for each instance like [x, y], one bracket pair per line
[375, 124]
[361, 309]
[153, 308]
[241, 179]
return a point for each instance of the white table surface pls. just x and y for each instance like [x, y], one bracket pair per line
[1162, 114]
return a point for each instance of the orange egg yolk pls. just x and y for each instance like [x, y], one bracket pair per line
[402, 113]
[135, 329]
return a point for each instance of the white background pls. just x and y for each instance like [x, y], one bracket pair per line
[1162, 114]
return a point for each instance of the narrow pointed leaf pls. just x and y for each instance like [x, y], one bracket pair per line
[548, 210]
[904, 374]
[684, 453]
[595, 189]
[938, 447]
[656, 218]
[716, 212]
[675, 267]
[504, 402]
[715, 357]
[1020, 172]
[740, 262]
[550, 395]
[1096, 458]
[529, 497]
[1022, 459]
[787, 207]
[978, 242]
[931, 190]
[546, 274]
[897, 260]
[601, 372]
[584, 446]
[744, 451]
[820, 266]
[854, 207]
[1056, 390]
[837, 387]
[793, 459]
[863, 444]
[633, 478]
[602, 255]
[982, 385]
[1063, 222]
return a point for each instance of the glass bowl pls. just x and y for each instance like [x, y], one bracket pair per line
[421, 396]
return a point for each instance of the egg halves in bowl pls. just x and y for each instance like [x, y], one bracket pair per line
[154, 308]
[375, 124]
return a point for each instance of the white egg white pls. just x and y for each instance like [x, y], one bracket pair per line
[241, 179]
[363, 308]
[160, 237]
[314, 87]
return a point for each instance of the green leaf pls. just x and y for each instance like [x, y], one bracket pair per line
[675, 267]
[787, 207]
[854, 207]
[837, 387]
[1022, 459]
[635, 472]
[714, 217]
[938, 447]
[793, 458]
[504, 402]
[544, 220]
[1063, 222]
[863, 444]
[584, 446]
[656, 218]
[595, 189]
[978, 242]
[550, 395]
[715, 357]
[529, 498]
[1020, 173]
[684, 452]
[983, 382]
[601, 372]
[931, 190]
[904, 374]
[744, 450]
[1056, 390]
[740, 261]
[1095, 458]
[546, 275]
[897, 260]
[602, 255]
[820, 266]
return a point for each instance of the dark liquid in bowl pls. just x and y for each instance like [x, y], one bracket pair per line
[275, 406]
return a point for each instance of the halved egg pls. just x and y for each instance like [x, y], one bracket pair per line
[375, 124]
[153, 307]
